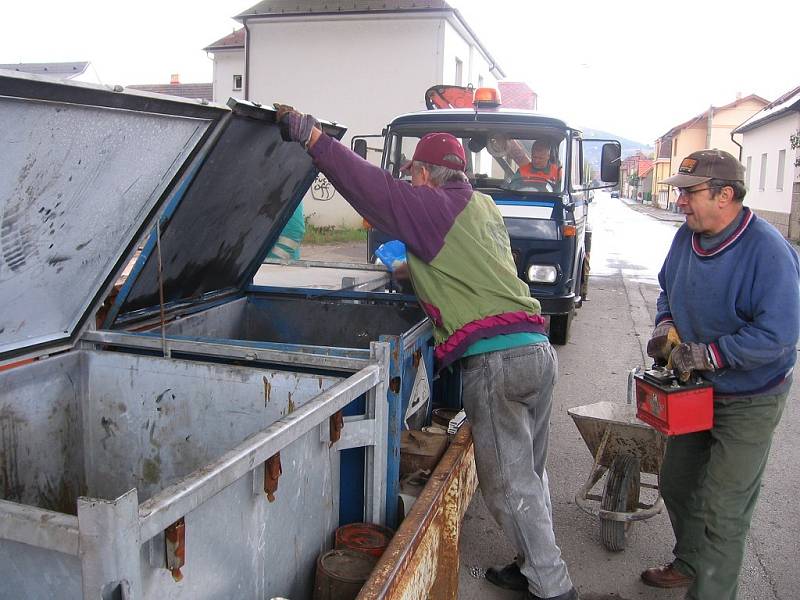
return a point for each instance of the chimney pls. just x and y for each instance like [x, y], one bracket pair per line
[174, 79]
[738, 95]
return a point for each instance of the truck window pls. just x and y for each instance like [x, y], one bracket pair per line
[529, 160]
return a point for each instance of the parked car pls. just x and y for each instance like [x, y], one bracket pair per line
[615, 194]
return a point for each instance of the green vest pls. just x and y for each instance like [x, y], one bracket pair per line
[470, 290]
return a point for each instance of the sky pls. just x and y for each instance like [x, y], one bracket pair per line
[635, 69]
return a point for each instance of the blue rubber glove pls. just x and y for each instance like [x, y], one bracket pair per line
[295, 126]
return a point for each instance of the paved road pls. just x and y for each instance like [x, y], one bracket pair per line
[608, 339]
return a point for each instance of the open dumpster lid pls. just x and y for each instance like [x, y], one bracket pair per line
[221, 222]
[84, 169]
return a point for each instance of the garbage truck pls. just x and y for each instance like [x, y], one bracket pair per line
[545, 207]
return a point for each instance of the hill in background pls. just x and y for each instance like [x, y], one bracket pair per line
[628, 146]
[592, 151]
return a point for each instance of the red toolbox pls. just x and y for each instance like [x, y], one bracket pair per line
[671, 407]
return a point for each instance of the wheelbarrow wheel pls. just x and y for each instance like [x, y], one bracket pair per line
[621, 494]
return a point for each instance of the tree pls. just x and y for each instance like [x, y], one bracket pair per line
[794, 139]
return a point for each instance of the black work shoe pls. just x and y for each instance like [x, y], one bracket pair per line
[570, 595]
[508, 577]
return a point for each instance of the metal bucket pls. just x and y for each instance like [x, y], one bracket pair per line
[341, 574]
[368, 538]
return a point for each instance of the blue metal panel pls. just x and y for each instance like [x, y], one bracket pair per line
[352, 465]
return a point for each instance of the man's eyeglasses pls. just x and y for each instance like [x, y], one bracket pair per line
[685, 192]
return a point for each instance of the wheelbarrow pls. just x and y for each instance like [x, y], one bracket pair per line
[624, 447]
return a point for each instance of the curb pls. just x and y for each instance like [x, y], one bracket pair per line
[656, 213]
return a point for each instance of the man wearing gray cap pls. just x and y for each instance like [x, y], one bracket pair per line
[729, 289]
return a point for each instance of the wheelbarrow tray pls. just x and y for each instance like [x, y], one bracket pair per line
[626, 434]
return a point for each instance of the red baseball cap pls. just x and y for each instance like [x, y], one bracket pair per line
[441, 149]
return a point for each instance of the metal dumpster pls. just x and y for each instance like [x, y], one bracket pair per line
[152, 474]
[192, 285]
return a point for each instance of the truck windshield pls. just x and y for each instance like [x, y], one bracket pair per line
[533, 161]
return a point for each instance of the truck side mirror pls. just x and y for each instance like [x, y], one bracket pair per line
[610, 162]
[360, 147]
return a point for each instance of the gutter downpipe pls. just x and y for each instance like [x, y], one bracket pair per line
[709, 122]
[246, 59]
[741, 148]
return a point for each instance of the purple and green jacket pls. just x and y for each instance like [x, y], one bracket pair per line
[459, 253]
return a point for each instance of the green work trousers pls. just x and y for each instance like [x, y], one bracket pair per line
[710, 482]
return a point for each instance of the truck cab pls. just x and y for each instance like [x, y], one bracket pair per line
[540, 173]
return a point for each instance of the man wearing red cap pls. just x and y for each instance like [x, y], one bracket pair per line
[462, 270]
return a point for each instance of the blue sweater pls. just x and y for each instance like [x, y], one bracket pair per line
[741, 298]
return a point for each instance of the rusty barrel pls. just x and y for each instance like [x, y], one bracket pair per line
[368, 538]
[341, 574]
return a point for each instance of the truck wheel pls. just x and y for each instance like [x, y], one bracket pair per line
[621, 494]
[559, 328]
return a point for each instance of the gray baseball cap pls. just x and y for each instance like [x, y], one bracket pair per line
[705, 165]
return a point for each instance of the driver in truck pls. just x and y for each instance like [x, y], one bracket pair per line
[462, 270]
[541, 168]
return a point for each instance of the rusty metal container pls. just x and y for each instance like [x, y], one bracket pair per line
[422, 559]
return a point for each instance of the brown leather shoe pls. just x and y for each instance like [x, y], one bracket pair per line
[666, 577]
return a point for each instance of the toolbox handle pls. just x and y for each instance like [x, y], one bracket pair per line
[631, 374]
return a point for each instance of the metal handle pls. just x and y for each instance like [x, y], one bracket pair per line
[631, 373]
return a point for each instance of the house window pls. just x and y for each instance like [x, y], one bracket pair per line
[747, 171]
[781, 162]
[480, 81]
[762, 179]
[459, 71]
[237, 83]
[675, 147]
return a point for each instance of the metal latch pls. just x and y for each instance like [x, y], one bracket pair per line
[272, 471]
[336, 426]
[175, 544]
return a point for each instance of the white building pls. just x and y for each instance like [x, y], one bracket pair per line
[773, 180]
[359, 62]
[228, 79]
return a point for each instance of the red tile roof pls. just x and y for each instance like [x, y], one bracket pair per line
[230, 41]
[645, 166]
[517, 94]
[194, 91]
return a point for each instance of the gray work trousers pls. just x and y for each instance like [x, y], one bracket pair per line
[507, 396]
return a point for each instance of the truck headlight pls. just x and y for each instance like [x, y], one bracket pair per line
[542, 274]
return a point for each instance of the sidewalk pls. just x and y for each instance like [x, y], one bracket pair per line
[653, 211]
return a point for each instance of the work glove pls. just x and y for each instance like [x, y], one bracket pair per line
[686, 358]
[664, 339]
[295, 126]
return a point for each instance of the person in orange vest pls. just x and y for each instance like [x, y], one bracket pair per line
[540, 168]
